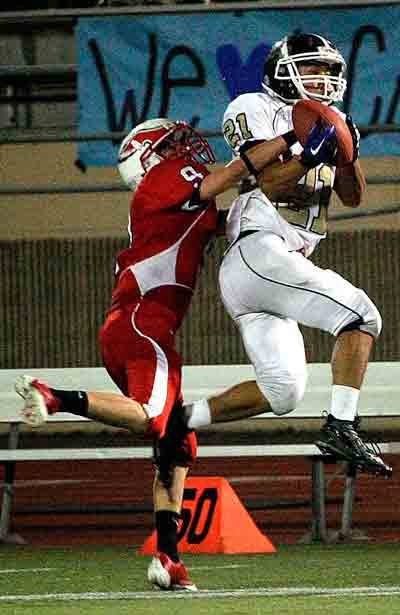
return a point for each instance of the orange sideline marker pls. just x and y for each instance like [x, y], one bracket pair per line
[214, 520]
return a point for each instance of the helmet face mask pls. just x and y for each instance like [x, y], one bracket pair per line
[155, 141]
[283, 69]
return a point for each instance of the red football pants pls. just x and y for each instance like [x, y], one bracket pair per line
[137, 345]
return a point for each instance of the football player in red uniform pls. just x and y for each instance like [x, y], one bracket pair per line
[173, 216]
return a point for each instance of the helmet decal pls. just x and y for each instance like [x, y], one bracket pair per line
[155, 141]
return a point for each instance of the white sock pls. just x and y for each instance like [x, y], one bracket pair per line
[344, 402]
[198, 414]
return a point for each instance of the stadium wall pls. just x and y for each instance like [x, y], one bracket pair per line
[55, 292]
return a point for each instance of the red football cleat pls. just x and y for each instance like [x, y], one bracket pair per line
[166, 574]
[39, 400]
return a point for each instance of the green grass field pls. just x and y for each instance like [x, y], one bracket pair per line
[343, 579]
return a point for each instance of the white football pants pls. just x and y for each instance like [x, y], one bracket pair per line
[267, 290]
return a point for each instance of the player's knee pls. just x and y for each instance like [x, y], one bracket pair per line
[369, 319]
[289, 399]
[286, 392]
[373, 323]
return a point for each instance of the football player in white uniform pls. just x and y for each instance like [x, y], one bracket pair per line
[268, 284]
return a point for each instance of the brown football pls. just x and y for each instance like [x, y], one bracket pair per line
[305, 114]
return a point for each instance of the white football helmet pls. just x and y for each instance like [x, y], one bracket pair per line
[281, 69]
[157, 140]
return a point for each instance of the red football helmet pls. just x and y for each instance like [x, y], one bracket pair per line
[157, 140]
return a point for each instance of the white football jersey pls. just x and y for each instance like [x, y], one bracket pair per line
[255, 116]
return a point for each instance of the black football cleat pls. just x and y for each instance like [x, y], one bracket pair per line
[342, 440]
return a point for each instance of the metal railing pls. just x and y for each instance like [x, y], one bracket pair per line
[111, 187]
[118, 187]
[54, 16]
[71, 135]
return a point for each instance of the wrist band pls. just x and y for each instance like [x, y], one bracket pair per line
[290, 138]
[250, 167]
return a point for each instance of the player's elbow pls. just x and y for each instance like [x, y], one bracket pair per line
[353, 197]
[350, 185]
[236, 170]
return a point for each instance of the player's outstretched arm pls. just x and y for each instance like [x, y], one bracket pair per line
[350, 183]
[251, 163]
[280, 178]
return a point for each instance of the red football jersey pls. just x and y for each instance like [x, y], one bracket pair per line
[169, 228]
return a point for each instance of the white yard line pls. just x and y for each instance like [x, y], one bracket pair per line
[230, 566]
[380, 590]
[18, 570]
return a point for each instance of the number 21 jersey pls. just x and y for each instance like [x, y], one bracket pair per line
[301, 217]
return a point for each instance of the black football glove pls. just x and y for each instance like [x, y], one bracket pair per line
[320, 147]
[355, 135]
